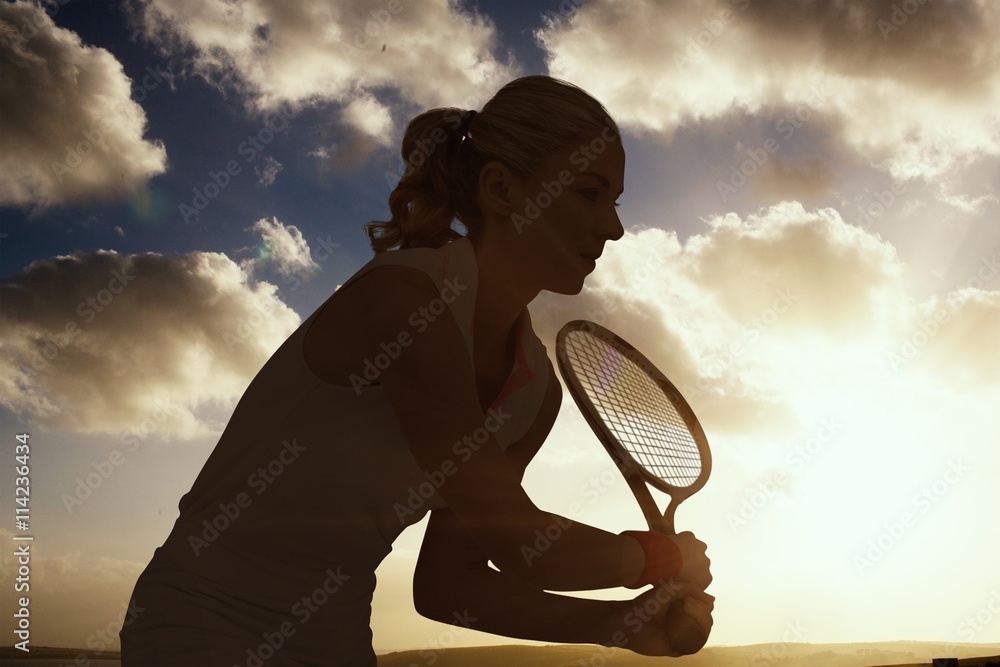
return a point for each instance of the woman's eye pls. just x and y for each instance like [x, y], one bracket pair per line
[593, 195]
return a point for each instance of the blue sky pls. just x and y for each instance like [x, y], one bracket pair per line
[811, 204]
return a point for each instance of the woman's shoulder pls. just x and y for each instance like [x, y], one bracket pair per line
[371, 309]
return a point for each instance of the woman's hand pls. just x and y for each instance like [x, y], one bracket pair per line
[695, 568]
[640, 625]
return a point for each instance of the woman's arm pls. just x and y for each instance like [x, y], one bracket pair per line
[431, 386]
[453, 584]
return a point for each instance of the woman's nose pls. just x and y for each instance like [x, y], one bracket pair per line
[611, 227]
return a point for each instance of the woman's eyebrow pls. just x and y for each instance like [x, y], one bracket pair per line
[601, 179]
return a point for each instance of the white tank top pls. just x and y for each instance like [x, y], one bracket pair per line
[323, 482]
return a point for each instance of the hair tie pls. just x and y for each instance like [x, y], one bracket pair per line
[463, 128]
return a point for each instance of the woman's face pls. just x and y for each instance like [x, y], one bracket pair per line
[558, 222]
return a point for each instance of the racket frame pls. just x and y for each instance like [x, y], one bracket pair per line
[636, 475]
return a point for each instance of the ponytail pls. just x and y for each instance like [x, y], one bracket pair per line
[423, 203]
[527, 120]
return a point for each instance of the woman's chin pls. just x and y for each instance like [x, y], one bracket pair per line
[568, 288]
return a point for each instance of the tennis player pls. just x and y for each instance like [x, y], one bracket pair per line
[420, 386]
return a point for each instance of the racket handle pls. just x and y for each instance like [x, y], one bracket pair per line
[686, 636]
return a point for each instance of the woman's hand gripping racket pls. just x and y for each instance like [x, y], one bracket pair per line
[648, 428]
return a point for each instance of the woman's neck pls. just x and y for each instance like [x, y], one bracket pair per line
[500, 298]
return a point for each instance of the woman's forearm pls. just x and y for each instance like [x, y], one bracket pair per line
[490, 601]
[570, 556]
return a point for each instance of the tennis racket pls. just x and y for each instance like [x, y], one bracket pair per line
[648, 429]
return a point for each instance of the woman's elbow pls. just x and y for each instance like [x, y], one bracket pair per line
[436, 594]
[429, 599]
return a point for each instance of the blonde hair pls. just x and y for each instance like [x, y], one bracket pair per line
[525, 122]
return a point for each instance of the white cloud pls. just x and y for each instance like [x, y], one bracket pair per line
[268, 172]
[108, 343]
[296, 54]
[283, 248]
[954, 338]
[71, 131]
[747, 316]
[920, 100]
[859, 393]
[965, 202]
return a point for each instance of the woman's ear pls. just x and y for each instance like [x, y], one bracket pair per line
[498, 188]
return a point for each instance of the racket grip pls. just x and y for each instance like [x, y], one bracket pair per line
[686, 636]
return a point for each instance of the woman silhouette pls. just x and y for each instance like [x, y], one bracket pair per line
[420, 386]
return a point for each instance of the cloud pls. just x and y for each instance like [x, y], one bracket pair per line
[965, 202]
[919, 98]
[310, 52]
[283, 248]
[71, 130]
[954, 338]
[109, 343]
[369, 127]
[803, 181]
[758, 317]
[268, 172]
[838, 277]
[83, 600]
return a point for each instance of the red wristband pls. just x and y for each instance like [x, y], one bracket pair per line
[663, 557]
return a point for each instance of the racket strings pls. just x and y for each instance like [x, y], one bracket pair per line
[635, 409]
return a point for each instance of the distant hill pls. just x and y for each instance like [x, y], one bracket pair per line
[55, 653]
[878, 654]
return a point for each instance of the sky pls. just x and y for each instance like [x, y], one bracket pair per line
[812, 255]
